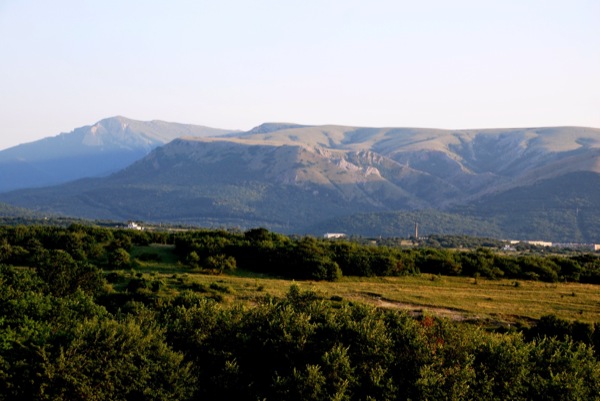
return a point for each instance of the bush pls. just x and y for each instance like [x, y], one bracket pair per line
[119, 259]
[106, 359]
[137, 284]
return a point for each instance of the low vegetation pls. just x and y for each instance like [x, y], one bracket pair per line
[97, 313]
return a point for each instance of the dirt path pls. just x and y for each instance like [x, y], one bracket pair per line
[419, 310]
[415, 309]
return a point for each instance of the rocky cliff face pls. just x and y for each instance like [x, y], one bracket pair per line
[438, 167]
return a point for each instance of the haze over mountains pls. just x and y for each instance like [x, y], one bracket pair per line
[526, 183]
[90, 151]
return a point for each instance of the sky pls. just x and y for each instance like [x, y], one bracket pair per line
[236, 63]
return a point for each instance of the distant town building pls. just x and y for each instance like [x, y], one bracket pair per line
[134, 226]
[578, 246]
[334, 235]
[561, 245]
[539, 243]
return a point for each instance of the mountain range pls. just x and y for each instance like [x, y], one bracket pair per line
[526, 183]
[91, 151]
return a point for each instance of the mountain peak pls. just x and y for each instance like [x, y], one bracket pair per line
[265, 128]
[118, 118]
[112, 124]
[89, 151]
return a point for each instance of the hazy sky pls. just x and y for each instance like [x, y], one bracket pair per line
[235, 64]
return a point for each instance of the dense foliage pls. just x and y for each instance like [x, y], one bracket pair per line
[258, 250]
[67, 333]
[301, 347]
[310, 258]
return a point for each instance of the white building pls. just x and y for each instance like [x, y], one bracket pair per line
[334, 235]
[134, 226]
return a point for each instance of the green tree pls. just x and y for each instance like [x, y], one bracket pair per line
[63, 275]
[110, 360]
[119, 259]
[563, 370]
[221, 263]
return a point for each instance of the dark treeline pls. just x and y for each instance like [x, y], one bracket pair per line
[307, 257]
[65, 334]
[310, 258]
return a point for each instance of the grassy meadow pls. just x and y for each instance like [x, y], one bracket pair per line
[490, 302]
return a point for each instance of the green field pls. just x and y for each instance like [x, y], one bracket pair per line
[495, 302]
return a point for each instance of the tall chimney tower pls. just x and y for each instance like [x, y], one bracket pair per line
[417, 230]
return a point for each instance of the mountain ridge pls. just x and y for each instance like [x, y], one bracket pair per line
[88, 151]
[296, 178]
